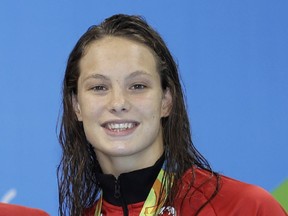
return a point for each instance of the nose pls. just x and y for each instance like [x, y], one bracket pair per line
[118, 101]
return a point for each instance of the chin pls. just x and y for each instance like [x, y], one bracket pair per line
[119, 151]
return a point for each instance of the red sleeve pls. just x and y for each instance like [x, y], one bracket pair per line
[237, 198]
[16, 210]
[261, 203]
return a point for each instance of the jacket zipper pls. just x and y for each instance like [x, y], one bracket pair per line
[118, 195]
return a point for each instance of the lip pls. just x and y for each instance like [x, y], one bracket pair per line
[120, 132]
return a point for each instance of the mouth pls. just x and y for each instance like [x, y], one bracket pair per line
[120, 126]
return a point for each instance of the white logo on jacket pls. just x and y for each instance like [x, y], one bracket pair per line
[169, 210]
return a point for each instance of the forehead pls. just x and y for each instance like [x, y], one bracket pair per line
[110, 53]
[110, 43]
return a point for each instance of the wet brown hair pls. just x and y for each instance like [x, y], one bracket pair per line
[78, 186]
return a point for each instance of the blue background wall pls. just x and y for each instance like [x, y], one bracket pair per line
[233, 57]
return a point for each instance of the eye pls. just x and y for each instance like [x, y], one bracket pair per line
[99, 88]
[138, 86]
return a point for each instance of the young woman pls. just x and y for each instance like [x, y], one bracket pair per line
[125, 134]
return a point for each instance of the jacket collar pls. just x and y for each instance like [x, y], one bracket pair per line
[132, 187]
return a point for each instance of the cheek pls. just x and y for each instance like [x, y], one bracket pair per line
[151, 111]
[151, 104]
[91, 109]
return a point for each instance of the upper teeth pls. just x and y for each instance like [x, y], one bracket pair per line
[114, 126]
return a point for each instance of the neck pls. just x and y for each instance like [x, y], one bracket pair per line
[124, 164]
[128, 190]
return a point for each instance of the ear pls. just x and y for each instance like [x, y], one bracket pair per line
[76, 107]
[166, 103]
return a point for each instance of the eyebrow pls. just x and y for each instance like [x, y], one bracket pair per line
[131, 76]
[139, 73]
[96, 76]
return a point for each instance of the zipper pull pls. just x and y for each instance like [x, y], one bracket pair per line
[117, 192]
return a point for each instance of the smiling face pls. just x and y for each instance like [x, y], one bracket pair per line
[120, 101]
